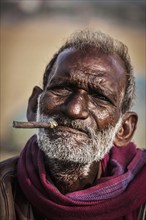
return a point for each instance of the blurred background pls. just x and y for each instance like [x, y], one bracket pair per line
[33, 30]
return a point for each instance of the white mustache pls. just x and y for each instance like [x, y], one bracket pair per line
[76, 124]
[61, 120]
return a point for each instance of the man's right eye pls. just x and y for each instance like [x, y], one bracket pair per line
[60, 90]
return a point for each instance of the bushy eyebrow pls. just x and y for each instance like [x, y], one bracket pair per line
[93, 82]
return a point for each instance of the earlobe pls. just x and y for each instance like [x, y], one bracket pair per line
[32, 103]
[127, 129]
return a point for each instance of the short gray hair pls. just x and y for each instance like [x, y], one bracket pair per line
[86, 40]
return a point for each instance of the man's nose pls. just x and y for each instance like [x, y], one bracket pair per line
[76, 106]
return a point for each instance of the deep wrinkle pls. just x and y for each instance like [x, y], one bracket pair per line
[79, 85]
[87, 81]
[93, 75]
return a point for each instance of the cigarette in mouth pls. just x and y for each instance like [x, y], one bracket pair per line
[35, 124]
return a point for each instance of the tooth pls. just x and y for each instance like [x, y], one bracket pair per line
[53, 124]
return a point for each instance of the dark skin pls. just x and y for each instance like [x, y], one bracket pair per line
[87, 87]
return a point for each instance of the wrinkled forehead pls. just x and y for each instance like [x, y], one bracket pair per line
[91, 61]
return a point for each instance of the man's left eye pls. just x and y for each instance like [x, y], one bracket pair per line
[100, 96]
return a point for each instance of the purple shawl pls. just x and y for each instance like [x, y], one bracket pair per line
[116, 195]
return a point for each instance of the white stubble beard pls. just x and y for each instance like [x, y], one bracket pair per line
[65, 147]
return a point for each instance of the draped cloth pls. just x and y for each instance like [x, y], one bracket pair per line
[118, 194]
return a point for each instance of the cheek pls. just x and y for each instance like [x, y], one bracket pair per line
[47, 103]
[106, 117]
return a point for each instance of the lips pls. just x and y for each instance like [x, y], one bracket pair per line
[68, 129]
[71, 130]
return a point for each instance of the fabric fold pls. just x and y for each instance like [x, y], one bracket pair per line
[120, 191]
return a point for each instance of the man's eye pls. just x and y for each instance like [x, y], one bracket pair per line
[60, 90]
[100, 96]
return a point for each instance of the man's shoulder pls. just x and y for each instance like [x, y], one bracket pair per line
[8, 168]
[7, 182]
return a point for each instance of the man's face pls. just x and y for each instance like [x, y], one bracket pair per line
[84, 95]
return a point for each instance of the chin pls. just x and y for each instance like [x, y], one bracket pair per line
[72, 148]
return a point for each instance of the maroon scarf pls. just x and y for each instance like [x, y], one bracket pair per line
[117, 194]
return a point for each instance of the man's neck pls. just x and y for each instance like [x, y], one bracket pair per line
[69, 177]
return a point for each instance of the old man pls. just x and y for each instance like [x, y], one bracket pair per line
[85, 167]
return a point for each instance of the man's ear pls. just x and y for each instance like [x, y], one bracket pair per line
[126, 130]
[32, 104]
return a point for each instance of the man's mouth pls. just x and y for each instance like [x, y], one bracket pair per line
[66, 125]
[68, 129]
[76, 131]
